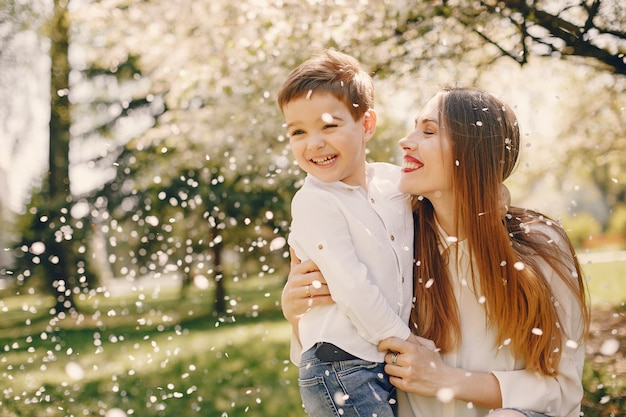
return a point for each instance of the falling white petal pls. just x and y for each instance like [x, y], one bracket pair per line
[445, 395]
[609, 347]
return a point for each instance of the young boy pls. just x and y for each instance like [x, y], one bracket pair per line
[351, 220]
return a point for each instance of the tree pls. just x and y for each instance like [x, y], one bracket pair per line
[59, 255]
[519, 29]
[597, 148]
[216, 64]
[184, 221]
[192, 79]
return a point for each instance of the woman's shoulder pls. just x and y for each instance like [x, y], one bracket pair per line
[536, 223]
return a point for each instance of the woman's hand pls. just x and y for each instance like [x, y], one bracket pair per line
[415, 365]
[305, 288]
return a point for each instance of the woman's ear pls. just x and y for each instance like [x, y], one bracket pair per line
[369, 123]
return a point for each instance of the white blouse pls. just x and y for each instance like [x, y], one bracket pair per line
[555, 396]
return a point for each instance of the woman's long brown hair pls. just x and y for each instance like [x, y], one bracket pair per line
[485, 140]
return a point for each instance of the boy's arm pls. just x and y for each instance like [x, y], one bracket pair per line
[325, 238]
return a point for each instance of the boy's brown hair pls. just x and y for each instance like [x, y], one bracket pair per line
[332, 72]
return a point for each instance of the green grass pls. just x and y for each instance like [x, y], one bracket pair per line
[157, 357]
[607, 283]
[154, 355]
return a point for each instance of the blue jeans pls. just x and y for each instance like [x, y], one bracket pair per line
[346, 388]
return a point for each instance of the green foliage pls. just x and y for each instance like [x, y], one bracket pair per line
[581, 228]
[607, 283]
[617, 221]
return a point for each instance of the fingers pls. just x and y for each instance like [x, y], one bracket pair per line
[319, 300]
[305, 267]
[393, 344]
[392, 358]
[316, 289]
[302, 292]
[294, 260]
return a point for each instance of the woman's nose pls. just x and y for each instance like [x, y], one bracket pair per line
[406, 143]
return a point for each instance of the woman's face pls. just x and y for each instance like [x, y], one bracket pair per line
[427, 163]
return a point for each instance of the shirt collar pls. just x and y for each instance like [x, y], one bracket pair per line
[369, 172]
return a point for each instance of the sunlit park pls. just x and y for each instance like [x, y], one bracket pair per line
[146, 178]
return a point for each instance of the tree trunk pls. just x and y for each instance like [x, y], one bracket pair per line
[220, 290]
[61, 273]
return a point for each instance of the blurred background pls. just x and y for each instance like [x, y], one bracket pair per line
[145, 180]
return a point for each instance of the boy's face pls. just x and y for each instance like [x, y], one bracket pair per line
[325, 140]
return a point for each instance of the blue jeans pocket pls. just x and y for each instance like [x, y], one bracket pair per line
[351, 388]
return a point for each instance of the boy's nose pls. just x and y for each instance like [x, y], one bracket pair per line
[315, 142]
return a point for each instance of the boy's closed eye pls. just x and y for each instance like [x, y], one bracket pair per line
[296, 132]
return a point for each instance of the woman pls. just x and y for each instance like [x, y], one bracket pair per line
[500, 304]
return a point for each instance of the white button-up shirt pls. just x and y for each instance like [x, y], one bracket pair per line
[523, 389]
[362, 242]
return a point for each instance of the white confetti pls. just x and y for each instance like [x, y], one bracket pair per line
[445, 395]
[609, 347]
[74, 371]
[201, 282]
[340, 398]
[115, 412]
[327, 118]
[278, 243]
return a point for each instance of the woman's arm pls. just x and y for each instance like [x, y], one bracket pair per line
[419, 369]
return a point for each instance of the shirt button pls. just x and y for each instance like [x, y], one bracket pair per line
[392, 237]
[320, 246]
[372, 200]
[403, 279]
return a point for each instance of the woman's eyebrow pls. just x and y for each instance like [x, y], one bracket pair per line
[425, 120]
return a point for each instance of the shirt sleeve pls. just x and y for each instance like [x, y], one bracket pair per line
[320, 232]
[295, 349]
[560, 395]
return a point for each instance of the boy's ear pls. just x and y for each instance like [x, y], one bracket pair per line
[369, 123]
